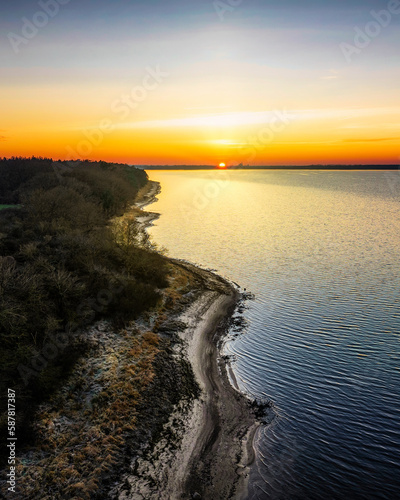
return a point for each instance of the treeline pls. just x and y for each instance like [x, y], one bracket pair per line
[18, 175]
[62, 266]
[272, 167]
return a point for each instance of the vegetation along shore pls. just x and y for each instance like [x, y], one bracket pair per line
[111, 347]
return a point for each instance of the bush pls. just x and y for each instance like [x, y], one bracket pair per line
[60, 262]
[61, 209]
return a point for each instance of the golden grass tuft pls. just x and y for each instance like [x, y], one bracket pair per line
[81, 433]
[83, 438]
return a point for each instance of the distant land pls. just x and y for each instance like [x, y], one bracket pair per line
[263, 167]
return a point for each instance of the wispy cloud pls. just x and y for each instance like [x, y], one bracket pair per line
[333, 75]
[210, 120]
[369, 126]
[345, 113]
[259, 117]
[208, 108]
[329, 77]
[373, 140]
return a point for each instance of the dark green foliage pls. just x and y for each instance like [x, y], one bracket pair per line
[61, 264]
[15, 172]
[114, 185]
[61, 209]
[146, 266]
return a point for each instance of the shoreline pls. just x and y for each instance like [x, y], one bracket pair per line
[147, 194]
[218, 466]
[146, 197]
[216, 434]
[150, 401]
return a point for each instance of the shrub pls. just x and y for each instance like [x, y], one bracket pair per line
[59, 259]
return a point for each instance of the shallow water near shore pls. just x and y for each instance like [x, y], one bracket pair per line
[320, 252]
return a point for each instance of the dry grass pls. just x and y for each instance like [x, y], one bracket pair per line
[81, 432]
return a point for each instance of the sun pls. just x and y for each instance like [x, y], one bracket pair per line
[222, 165]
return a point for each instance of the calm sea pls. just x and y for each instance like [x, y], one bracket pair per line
[320, 251]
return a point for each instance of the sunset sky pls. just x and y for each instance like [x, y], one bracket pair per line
[259, 82]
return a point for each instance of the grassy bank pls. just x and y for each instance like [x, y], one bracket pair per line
[62, 267]
[113, 405]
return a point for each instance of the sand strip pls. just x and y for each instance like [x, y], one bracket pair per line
[216, 435]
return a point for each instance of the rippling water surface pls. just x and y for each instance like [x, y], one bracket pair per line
[320, 251]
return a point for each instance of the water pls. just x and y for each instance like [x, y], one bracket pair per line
[320, 252]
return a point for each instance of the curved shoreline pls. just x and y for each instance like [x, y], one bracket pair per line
[131, 402]
[216, 437]
[217, 467]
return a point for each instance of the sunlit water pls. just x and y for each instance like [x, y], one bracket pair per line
[320, 251]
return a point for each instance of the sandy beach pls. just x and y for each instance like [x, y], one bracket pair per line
[218, 428]
[215, 435]
[224, 427]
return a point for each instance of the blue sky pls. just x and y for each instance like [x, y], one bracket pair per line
[262, 55]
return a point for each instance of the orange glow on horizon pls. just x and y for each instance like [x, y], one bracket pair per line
[215, 92]
[301, 137]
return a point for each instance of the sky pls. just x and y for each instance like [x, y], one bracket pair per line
[272, 82]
